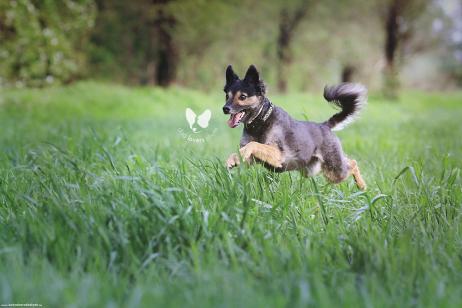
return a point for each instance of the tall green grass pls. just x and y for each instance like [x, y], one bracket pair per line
[103, 203]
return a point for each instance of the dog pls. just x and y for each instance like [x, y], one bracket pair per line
[272, 137]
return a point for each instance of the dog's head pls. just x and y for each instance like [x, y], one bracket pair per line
[244, 98]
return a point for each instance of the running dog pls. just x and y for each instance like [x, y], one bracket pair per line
[272, 137]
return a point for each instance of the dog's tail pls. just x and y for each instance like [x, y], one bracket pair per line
[351, 97]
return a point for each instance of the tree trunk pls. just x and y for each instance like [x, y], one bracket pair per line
[347, 73]
[392, 31]
[283, 49]
[161, 55]
[287, 27]
[167, 54]
[392, 36]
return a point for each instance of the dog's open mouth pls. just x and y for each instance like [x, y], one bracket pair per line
[235, 119]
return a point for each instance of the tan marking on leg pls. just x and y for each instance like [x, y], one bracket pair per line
[232, 161]
[354, 170]
[268, 153]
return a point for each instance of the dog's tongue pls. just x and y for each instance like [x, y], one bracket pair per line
[234, 119]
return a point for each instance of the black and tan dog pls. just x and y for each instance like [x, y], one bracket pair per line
[274, 138]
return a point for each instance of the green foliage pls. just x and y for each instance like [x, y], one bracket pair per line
[104, 204]
[42, 40]
[189, 42]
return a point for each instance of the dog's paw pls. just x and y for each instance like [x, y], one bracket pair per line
[273, 162]
[232, 161]
[246, 152]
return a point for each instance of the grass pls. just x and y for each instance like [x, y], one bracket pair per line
[104, 203]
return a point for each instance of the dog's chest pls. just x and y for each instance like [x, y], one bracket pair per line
[270, 136]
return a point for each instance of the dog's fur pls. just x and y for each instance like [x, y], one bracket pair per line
[282, 143]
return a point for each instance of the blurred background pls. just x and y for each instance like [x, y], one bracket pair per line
[298, 45]
[109, 197]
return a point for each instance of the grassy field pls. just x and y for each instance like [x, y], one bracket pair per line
[108, 200]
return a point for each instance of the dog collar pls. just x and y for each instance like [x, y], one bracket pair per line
[259, 111]
[267, 114]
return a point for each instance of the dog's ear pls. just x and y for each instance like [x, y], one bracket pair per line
[230, 75]
[252, 76]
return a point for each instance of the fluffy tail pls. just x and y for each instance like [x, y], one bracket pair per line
[351, 97]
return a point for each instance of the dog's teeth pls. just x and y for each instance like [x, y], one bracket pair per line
[235, 119]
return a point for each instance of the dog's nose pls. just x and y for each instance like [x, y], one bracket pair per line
[226, 110]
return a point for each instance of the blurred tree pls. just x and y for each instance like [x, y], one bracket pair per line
[190, 42]
[289, 20]
[207, 38]
[42, 42]
[167, 55]
[146, 29]
[160, 42]
[400, 21]
[347, 73]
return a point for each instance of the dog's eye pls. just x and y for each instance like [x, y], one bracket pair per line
[242, 97]
[227, 96]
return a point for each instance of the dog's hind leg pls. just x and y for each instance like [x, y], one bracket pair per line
[313, 168]
[337, 167]
[354, 171]
[266, 153]
[338, 173]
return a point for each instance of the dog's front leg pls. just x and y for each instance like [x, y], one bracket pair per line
[232, 161]
[267, 153]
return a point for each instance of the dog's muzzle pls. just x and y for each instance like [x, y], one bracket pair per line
[228, 107]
